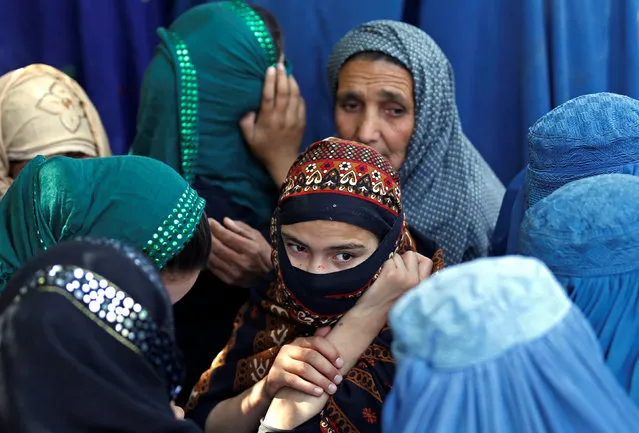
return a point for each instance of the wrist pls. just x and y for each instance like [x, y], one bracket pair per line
[365, 319]
[262, 394]
[376, 313]
[278, 175]
[279, 167]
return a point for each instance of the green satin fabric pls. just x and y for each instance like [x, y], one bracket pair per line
[230, 68]
[127, 198]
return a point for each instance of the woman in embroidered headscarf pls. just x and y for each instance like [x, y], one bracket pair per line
[87, 344]
[587, 232]
[212, 67]
[139, 201]
[394, 90]
[45, 112]
[339, 219]
[495, 346]
[586, 136]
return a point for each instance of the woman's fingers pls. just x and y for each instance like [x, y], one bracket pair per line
[410, 261]
[425, 267]
[296, 382]
[282, 97]
[220, 248]
[310, 374]
[323, 347]
[316, 368]
[269, 91]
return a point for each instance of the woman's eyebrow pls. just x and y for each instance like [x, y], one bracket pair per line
[392, 96]
[293, 239]
[348, 95]
[348, 246]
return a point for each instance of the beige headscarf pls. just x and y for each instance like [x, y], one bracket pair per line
[45, 112]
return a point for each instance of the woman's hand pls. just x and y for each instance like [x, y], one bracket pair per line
[240, 255]
[309, 365]
[275, 134]
[399, 274]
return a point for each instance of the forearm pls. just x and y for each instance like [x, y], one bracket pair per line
[351, 337]
[354, 333]
[278, 169]
[240, 414]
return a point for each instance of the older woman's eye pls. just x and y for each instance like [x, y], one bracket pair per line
[396, 112]
[350, 106]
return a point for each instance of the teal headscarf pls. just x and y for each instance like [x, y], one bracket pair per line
[136, 200]
[207, 73]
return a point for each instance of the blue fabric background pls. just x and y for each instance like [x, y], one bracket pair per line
[514, 60]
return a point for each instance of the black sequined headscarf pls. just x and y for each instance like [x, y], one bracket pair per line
[87, 343]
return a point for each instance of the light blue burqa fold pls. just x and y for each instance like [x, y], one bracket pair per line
[495, 346]
[588, 234]
[586, 136]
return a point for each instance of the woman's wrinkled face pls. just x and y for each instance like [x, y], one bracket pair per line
[375, 106]
[322, 247]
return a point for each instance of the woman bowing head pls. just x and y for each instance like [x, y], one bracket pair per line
[136, 200]
[87, 344]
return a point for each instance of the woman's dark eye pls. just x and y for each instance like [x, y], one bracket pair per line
[396, 112]
[350, 106]
[295, 248]
[343, 257]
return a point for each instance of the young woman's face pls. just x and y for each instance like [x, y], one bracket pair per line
[322, 247]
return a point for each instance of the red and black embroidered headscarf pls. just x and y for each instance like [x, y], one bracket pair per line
[332, 180]
[336, 180]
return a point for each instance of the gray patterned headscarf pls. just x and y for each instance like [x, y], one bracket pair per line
[450, 193]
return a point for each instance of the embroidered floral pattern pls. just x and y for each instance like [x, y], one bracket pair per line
[345, 166]
[61, 101]
[362, 377]
[378, 352]
[369, 415]
[253, 369]
[324, 427]
[335, 419]
[330, 166]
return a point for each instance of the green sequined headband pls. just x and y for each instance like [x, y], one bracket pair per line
[169, 239]
[257, 26]
[176, 230]
[188, 88]
[187, 107]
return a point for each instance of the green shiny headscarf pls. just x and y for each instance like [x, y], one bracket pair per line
[139, 201]
[207, 73]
